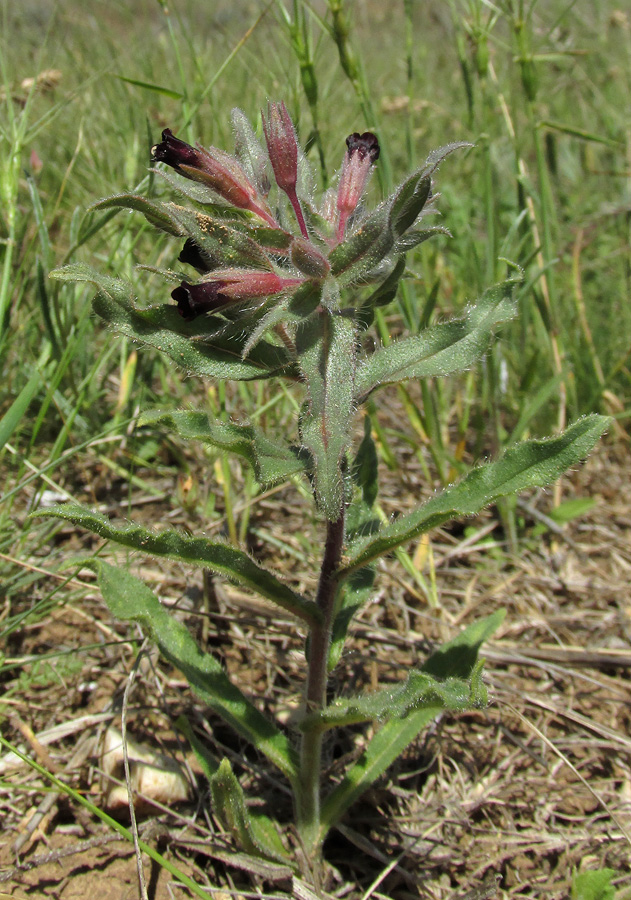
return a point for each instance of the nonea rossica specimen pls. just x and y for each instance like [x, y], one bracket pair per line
[276, 286]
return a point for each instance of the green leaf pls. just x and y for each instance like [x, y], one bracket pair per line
[441, 350]
[116, 288]
[593, 885]
[420, 691]
[254, 833]
[158, 214]
[216, 356]
[325, 345]
[207, 762]
[271, 462]
[353, 594]
[366, 466]
[408, 201]
[458, 657]
[286, 311]
[418, 236]
[573, 509]
[217, 556]
[18, 409]
[387, 290]
[130, 599]
[531, 464]
[397, 734]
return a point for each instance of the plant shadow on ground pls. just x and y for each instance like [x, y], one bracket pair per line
[487, 791]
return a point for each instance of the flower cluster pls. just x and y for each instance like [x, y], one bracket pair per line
[296, 258]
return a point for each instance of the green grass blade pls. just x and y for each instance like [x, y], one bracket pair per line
[78, 797]
[147, 86]
[16, 412]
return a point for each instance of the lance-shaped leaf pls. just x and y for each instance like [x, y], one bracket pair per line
[397, 734]
[361, 520]
[325, 345]
[419, 691]
[531, 464]
[408, 201]
[417, 236]
[157, 213]
[116, 288]
[440, 350]
[218, 355]
[354, 593]
[217, 556]
[272, 462]
[254, 833]
[387, 290]
[128, 598]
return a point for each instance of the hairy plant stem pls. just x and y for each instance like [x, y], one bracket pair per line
[308, 793]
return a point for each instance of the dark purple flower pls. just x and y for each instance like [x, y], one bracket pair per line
[191, 255]
[195, 299]
[365, 144]
[214, 168]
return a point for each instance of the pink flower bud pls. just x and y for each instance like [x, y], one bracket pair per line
[228, 286]
[282, 147]
[362, 152]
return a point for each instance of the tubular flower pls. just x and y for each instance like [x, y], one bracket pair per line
[362, 151]
[214, 168]
[282, 148]
[228, 286]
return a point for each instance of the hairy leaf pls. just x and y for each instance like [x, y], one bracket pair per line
[408, 201]
[352, 595]
[387, 290]
[325, 345]
[440, 350]
[272, 462]
[420, 691]
[157, 213]
[214, 352]
[392, 739]
[130, 599]
[286, 312]
[531, 464]
[223, 245]
[218, 356]
[417, 236]
[254, 833]
[215, 555]
[366, 246]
